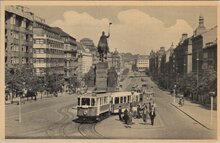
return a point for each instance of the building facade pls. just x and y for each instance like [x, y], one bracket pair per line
[116, 61]
[143, 63]
[89, 45]
[70, 51]
[48, 56]
[18, 37]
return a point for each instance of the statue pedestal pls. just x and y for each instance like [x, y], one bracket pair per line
[101, 75]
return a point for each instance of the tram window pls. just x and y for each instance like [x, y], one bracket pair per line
[121, 100]
[105, 100]
[116, 100]
[93, 102]
[101, 101]
[124, 99]
[111, 100]
[86, 101]
[129, 98]
[78, 101]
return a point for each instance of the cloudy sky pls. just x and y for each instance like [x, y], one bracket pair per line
[136, 29]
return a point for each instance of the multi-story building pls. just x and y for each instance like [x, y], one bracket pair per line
[183, 55]
[210, 56]
[48, 57]
[160, 56]
[198, 44]
[18, 37]
[142, 63]
[85, 60]
[116, 61]
[70, 51]
[89, 45]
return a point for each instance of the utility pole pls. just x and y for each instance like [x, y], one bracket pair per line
[197, 77]
[211, 94]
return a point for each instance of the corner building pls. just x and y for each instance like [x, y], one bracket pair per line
[48, 50]
[18, 37]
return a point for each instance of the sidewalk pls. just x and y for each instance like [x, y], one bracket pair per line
[199, 113]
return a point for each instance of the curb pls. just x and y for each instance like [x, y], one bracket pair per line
[191, 117]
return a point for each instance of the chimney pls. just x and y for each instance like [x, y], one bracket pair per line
[184, 36]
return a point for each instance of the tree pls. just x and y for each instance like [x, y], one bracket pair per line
[125, 71]
[17, 79]
[52, 83]
[134, 67]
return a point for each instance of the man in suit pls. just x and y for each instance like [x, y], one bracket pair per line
[119, 113]
[152, 115]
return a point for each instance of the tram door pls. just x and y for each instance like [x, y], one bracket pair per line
[98, 105]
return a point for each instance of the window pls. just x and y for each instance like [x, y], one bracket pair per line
[86, 101]
[78, 101]
[12, 20]
[124, 99]
[23, 61]
[16, 35]
[116, 100]
[23, 24]
[17, 22]
[129, 98]
[205, 55]
[105, 100]
[121, 100]
[93, 102]
[39, 41]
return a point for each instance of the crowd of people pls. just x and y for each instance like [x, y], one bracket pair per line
[142, 111]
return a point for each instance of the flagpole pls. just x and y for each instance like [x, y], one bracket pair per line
[109, 27]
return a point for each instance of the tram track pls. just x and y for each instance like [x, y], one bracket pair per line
[88, 131]
[57, 128]
[60, 128]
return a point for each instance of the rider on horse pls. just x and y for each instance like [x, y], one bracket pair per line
[103, 48]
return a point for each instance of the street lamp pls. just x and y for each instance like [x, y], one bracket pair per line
[20, 105]
[211, 94]
[174, 94]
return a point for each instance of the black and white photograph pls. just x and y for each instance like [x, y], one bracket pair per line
[104, 71]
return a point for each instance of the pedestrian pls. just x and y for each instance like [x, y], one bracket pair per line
[153, 105]
[125, 117]
[152, 115]
[145, 114]
[150, 107]
[119, 113]
[139, 111]
[129, 122]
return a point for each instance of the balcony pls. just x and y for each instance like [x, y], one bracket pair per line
[40, 56]
[40, 46]
[40, 65]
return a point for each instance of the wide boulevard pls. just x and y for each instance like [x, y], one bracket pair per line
[53, 117]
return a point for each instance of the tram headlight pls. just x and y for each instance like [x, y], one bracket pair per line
[85, 113]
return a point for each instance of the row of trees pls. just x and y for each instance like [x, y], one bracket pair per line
[197, 87]
[16, 80]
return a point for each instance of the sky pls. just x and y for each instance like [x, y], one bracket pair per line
[134, 29]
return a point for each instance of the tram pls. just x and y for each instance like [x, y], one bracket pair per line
[97, 106]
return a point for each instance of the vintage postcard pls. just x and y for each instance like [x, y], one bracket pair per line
[79, 71]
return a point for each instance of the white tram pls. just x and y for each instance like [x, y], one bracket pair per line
[124, 99]
[93, 106]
